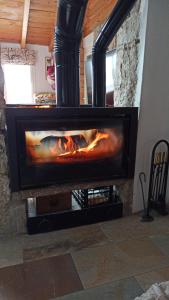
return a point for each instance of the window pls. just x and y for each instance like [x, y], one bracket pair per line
[110, 75]
[18, 84]
[110, 70]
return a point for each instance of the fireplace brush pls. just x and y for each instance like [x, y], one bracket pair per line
[146, 217]
[158, 177]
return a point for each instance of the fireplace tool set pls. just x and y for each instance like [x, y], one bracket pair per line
[158, 181]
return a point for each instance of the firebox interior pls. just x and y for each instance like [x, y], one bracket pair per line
[73, 146]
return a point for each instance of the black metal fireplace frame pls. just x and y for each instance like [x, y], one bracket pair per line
[15, 117]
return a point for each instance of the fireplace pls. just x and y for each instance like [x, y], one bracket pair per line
[61, 145]
[72, 143]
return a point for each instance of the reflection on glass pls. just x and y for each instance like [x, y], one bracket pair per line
[75, 146]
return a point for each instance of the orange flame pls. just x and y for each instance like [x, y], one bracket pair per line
[71, 149]
[42, 106]
[87, 145]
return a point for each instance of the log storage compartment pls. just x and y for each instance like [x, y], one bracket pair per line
[87, 206]
[53, 203]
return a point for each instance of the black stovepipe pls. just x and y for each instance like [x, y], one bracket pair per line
[68, 34]
[109, 30]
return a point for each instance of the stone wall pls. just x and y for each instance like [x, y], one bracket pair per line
[127, 46]
[4, 182]
[12, 209]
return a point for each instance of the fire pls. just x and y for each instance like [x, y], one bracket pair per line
[99, 137]
[42, 106]
[71, 149]
[69, 145]
[72, 146]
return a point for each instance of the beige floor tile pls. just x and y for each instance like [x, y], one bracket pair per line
[126, 289]
[10, 252]
[64, 241]
[131, 227]
[142, 254]
[162, 242]
[139, 249]
[113, 262]
[147, 279]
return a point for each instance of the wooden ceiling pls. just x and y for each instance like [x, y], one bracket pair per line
[27, 21]
[96, 14]
[33, 21]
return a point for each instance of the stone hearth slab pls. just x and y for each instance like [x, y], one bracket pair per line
[40, 280]
[147, 279]
[10, 252]
[63, 241]
[162, 242]
[131, 227]
[126, 289]
[117, 261]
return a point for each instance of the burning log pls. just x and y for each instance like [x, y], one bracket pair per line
[51, 141]
[64, 143]
[73, 146]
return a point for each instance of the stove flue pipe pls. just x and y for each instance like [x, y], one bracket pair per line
[109, 30]
[68, 34]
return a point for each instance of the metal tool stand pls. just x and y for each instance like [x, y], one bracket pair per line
[146, 217]
[158, 178]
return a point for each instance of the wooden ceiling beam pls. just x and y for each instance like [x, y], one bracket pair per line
[25, 23]
[51, 42]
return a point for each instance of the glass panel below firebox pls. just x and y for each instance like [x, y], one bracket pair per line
[73, 146]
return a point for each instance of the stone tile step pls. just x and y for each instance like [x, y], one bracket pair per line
[126, 289]
[39, 280]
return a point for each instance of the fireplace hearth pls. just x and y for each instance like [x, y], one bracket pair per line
[51, 146]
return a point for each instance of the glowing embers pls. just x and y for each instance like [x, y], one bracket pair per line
[75, 146]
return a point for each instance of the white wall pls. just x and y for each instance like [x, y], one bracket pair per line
[40, 84]
[154, 108]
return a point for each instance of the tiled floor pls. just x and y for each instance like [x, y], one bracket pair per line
[115, 260]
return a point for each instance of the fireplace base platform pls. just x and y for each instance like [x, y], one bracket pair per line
[76, 216]
[18, 219]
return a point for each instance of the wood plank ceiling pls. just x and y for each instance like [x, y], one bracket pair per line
[27, 21]
[33, 21]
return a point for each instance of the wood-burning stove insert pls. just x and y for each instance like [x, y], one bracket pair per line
[70, 145]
